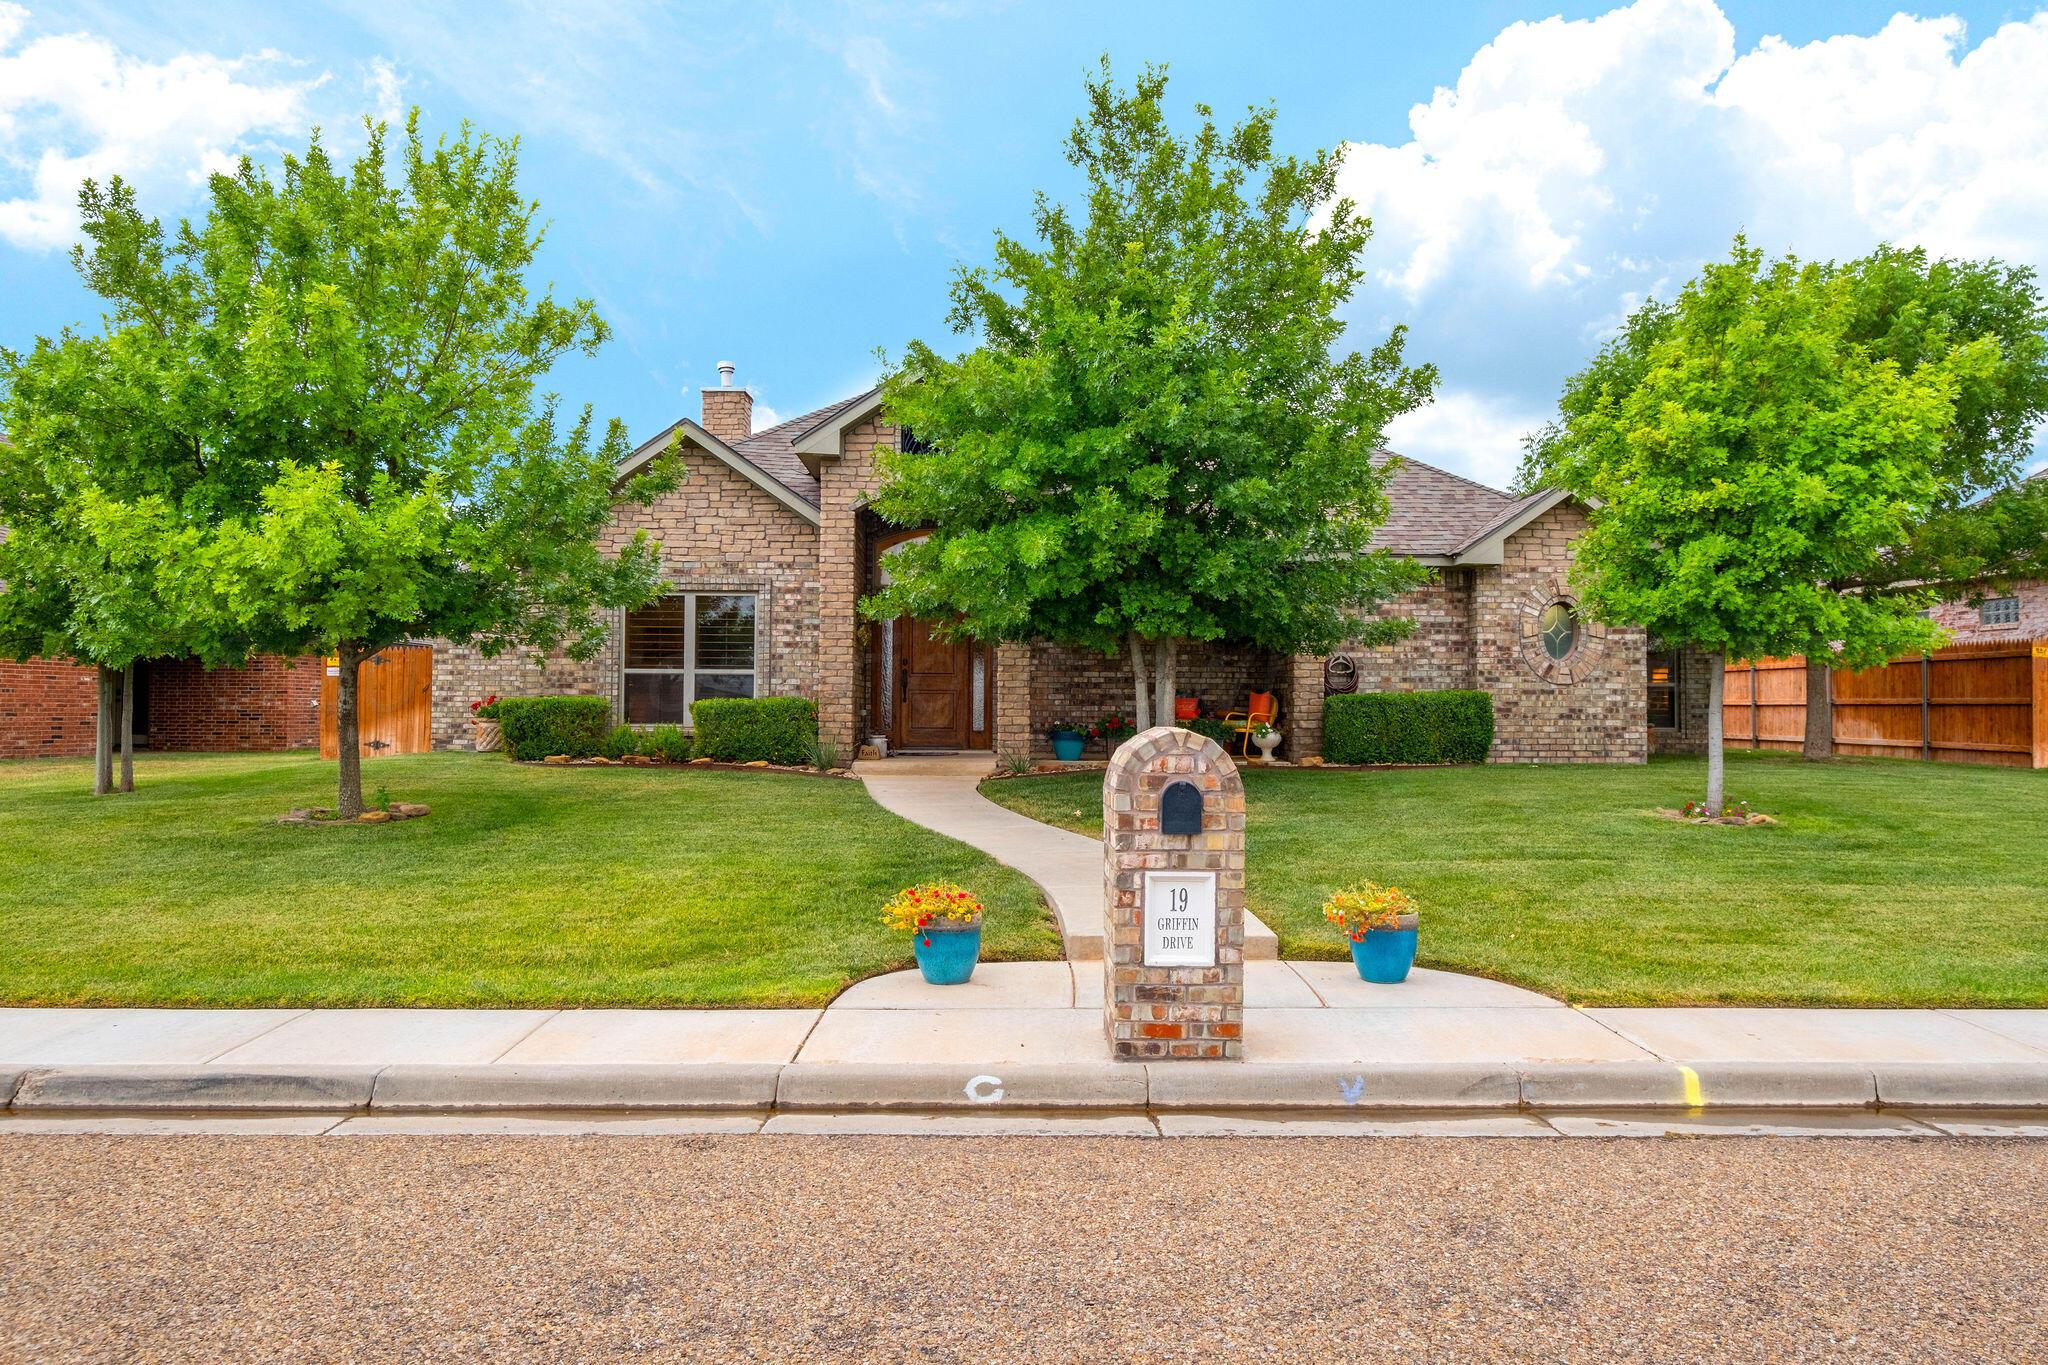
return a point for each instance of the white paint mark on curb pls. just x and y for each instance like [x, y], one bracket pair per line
[985, 1089]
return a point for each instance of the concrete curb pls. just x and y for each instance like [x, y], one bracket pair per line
[1102, 1085]
[1181, 1087]
[303, 1089]
[1937, 1085]
[1603, 1085]
[1210, 1086]
[618, 1086]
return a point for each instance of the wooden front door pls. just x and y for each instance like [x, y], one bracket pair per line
[934, 705]
[394, 703]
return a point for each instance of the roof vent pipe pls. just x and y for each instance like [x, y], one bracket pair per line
[725, 368]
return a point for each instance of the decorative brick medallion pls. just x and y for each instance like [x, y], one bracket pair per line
[1173, 953]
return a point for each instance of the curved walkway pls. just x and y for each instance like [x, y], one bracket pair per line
[940, 792]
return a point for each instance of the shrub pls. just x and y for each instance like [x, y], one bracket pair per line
[623, 740]
[667, 743]
[1408, 727]
[535, 727]
[747, 729]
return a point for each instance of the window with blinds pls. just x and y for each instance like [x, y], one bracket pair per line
[686, 647]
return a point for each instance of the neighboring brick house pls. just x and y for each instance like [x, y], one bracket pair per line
[770, 544]
[49, 707]
[2010, 612]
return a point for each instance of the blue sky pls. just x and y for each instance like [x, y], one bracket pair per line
[789, 186]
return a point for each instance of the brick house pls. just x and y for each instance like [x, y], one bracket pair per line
[769, 546]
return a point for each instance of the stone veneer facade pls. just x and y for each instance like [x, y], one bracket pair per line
[1475, 627]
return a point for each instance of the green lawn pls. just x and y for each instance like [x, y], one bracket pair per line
[1887, 883]
[525, 886]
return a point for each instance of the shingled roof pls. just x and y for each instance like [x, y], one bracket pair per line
[1433, 513]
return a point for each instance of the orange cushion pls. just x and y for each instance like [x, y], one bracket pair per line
[1261, 706]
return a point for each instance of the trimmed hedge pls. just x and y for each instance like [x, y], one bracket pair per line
[744, 729]
[535, 727]
[623, 741]
[1407, 727]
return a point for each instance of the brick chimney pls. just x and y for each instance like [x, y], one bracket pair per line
[728, 412]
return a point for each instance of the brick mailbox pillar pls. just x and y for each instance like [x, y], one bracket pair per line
[1173, 899]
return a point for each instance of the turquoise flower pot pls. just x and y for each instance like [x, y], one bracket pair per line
[1384, 956]
[947, 951]
[1067, 745]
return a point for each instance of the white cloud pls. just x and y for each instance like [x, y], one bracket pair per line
[1577, 166]
[73, 107]
[1470, 433]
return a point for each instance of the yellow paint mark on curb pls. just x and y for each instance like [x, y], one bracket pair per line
[1695, 1098]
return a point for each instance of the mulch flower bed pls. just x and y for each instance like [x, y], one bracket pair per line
[1729, 816]
[322, 815]
[643, 761]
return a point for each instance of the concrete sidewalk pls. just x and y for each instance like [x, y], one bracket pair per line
[1029, 1035]
[939, 791]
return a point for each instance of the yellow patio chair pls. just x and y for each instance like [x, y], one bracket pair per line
[1261, 708]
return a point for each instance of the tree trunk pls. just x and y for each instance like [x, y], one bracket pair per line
[128, 728]
[1162, 682]
[1141, 683]
[103, 736]
[1820, 711]
[348, 802]
[1717, 668]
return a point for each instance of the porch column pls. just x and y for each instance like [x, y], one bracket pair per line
[1013, 734]
[840, 655]
[1302, 720]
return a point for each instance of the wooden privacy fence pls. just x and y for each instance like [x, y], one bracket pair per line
[394, 703]
[1976, 703]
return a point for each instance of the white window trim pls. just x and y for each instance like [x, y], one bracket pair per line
[689, 670]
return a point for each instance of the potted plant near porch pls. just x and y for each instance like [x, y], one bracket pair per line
[945, 923]
[1067, 741]
[1380, 922]
[484, 716]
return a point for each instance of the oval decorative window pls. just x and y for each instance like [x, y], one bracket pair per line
[1558, 628]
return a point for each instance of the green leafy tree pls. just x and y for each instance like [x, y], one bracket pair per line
[1987, 526]
[78, 564]
[1755, 463]
[355, 354]
[1155, 441]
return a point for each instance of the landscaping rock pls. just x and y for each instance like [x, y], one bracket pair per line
[1312, 761]
[558, 758]
[637, 761]
[408, 810]
[757, 763]
[374, 817]
[601, 760]
[699, 762]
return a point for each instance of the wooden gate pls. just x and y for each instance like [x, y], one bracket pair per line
[394, 703]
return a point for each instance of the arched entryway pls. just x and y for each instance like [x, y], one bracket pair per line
[929, 693]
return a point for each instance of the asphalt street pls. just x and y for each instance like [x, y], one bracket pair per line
[1010, 1249]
